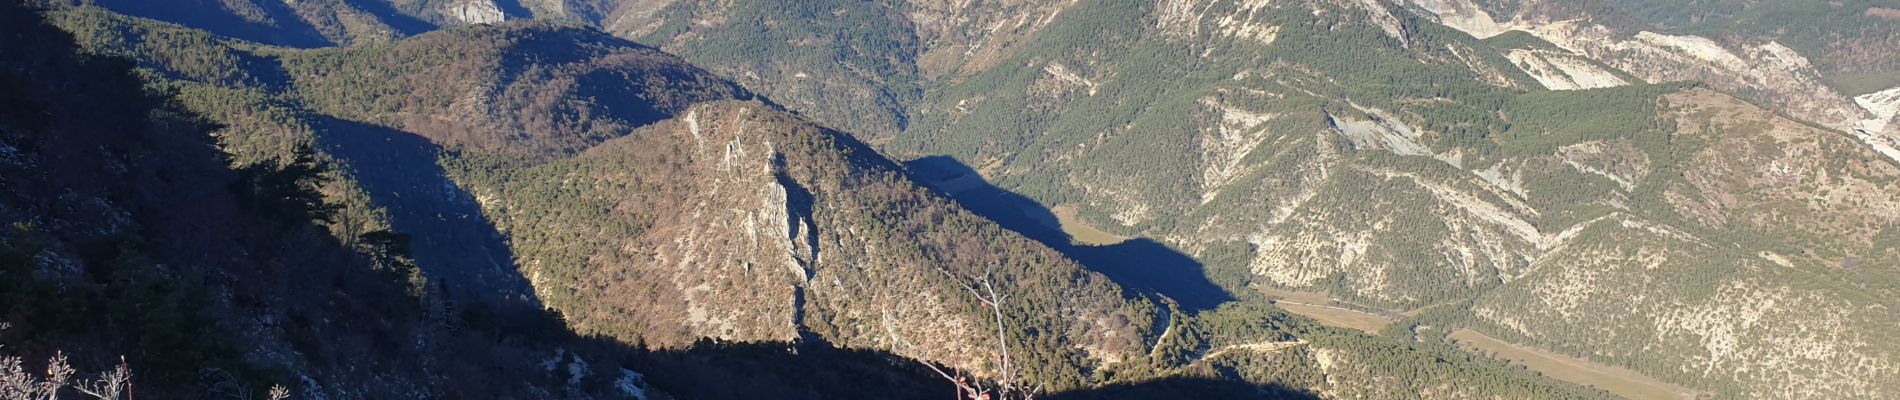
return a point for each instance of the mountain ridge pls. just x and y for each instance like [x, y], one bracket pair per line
[1530, 179]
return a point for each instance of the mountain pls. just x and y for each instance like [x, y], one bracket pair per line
[131, 242]
[1808, 59]
[623, 85]
[792, 240]
[200, 272]
[1401, 155]
[1688, 196]
[773, 229]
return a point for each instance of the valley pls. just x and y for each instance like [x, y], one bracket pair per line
[1079, 229]
[1621, 381]
[1318, 306]
[579, 199]
[1337, 316]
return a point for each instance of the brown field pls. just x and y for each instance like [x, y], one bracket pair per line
[1298, 297]
[1339, 317]
[1318, 306]
[1616, 380]
[1888, 13]
[1080, 231]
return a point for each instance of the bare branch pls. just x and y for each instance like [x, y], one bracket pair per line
[110, 385]
[966, 286]
[984, 290]
[58, 372]
[963, 386]
[1002, 338]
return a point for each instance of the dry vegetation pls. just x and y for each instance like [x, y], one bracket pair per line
[1080, 230]
[1620, 381]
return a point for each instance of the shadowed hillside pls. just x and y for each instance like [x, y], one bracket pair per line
[1139, 264]
[650, 204]
[457, 246]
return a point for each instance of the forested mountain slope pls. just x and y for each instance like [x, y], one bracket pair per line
[1397, 167]
[652, 204]
[128, 235]
[561, 90]
[1822, 62]
[860, 65]
[1528, 170]
[1365, 150]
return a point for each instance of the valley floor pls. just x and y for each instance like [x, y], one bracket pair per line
[1316, 306]
[1338, 316]
[1080, 231]
[1621, 381]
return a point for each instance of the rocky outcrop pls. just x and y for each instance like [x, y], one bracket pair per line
[1882, 132]
[1738, 317]
[475, 12]
[747, 224]
[1766, 70]
[1562, 71]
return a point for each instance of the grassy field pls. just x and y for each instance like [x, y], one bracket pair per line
[1339, 317]
[1298, 297]
[1620, 381]
[1317, 306]
[1080, 231]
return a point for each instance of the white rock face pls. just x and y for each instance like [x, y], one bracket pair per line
[1386, 21]
[1558, 71]
[1884, 105]
[1881, 132]
[1184, 19]
[1248, 19]
[1381, 132]
[1240, 131]
[1062, 73]
[1777, 73]
[1617, 161]
[1485, 71]
[1771, 69]
[477, 12]
[1465, 16]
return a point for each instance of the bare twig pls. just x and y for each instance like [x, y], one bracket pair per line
[108, 386]
[984, 290]
[963, 385]
[1002, 338]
